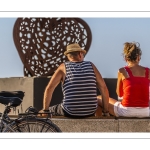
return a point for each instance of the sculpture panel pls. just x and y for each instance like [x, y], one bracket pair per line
[41, 42]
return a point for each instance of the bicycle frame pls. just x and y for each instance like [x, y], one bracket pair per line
[12, 99]
[5, 121]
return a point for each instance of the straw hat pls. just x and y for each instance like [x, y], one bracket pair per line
[73, 48]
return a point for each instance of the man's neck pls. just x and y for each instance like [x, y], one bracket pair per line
[75, 60]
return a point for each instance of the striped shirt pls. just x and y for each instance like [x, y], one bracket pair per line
[79, 89]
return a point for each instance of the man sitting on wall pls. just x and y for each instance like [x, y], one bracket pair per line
[80, 80]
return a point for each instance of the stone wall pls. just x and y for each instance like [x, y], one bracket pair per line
[34, 89]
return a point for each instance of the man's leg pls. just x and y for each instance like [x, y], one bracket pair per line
[57, 110]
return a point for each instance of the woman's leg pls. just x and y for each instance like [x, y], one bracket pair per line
[98, 112]
[110, 107]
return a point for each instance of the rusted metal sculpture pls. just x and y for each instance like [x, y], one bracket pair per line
[41, 42]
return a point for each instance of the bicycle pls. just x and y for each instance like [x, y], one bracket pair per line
[25, 122]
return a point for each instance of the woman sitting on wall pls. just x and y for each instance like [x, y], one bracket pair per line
[132, 85]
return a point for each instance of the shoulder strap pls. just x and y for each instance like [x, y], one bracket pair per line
[147, 72]
[129, 71]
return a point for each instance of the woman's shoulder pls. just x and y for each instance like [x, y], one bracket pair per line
[122, 73]
[121, 70]
[148, 71]
[143, 67]
[147, 68]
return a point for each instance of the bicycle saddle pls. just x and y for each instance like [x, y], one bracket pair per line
[13, 98]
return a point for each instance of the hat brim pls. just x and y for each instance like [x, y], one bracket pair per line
[75, 50]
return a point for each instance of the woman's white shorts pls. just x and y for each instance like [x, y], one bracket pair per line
[130, 111]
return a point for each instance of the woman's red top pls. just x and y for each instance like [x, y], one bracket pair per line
[136, 90]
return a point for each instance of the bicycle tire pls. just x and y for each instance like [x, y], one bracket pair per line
[32, 125]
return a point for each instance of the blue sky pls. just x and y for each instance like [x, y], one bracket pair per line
[108, 36]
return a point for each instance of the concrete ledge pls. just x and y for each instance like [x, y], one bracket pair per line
[134, 125]
[101, 124]
[86, 125]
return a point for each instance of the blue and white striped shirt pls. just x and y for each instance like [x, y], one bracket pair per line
[79, 89]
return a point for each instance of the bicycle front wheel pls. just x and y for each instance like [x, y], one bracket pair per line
[32, 125]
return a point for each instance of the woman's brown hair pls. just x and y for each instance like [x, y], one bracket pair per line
[131, 51]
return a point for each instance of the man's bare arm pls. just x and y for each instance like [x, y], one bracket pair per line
[55, 80]
[103, 88]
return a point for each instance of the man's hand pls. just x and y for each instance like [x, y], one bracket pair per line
[43, 113]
